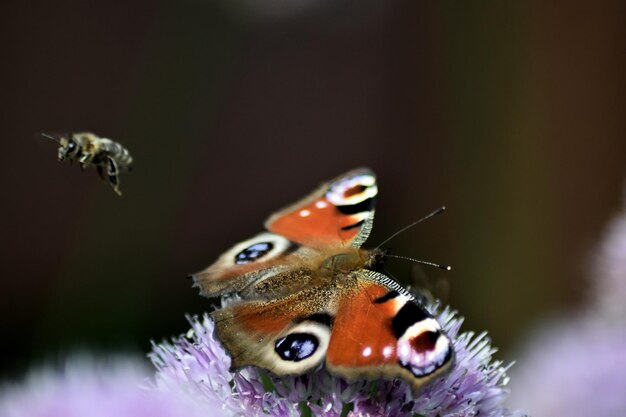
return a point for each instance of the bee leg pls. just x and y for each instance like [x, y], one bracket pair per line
[100, 169]
[85, 160]
[112, 173]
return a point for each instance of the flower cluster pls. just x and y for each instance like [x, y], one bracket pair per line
[87, 387]
[573, 368]
[609, 272]
[196, 365]
[193, 379]
[576, 366]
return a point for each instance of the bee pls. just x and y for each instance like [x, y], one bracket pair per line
[109, 157]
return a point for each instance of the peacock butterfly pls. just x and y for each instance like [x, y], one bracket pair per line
[308, 294]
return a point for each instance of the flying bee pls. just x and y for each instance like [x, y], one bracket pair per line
[109, 157]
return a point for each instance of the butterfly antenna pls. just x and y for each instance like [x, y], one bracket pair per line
[406, 258]
[426, 217]
[47, 136]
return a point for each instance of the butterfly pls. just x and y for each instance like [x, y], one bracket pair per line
[308, 295]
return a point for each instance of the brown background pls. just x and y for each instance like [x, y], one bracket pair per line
[511, 114]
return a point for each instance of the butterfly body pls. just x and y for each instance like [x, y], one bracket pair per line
[309, 295]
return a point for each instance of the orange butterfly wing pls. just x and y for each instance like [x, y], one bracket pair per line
[286, 336]
[380, 330]
[339, 213]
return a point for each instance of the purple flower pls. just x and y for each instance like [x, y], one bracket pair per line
[609, 272]
[576, 367]
[193, 380]
[196, 365]
[85, 387]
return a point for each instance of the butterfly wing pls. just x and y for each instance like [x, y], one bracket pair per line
[287, 336]
[380, 330]
[369, 328]
[256, 258]
[338, 213]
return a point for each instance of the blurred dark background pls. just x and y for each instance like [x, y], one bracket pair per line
[509, 113]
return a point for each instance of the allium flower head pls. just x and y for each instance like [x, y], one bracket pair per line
[196, 365]
[89, 388]
[576, 367]
[193, 380]
[609, 273]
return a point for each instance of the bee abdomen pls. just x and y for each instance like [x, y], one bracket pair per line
[117, 152]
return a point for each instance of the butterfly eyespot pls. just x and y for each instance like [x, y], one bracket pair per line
[354, 190]
[423, 349]
[254, 252]
[425, 341]
[296, 346]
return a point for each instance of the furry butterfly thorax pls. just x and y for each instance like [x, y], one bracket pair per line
[310, 295]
